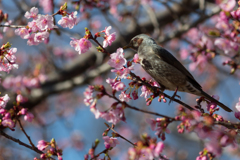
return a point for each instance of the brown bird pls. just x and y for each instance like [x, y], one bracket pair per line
[166, 69]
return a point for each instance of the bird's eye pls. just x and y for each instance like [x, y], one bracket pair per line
[135, 39]
[139, 41]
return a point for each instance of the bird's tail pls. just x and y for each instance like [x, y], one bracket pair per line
[207, 96]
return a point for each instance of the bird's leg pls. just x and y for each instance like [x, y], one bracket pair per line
[173, 96]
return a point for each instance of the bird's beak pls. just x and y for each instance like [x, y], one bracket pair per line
[127, 46]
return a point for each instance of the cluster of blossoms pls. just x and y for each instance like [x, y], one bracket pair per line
[160, 126]
[9, 117]
[148, 148]
[203, 45]
[112, 115]
[109, 142]
[118, 61]
[7, 58]
[20, 83]
[38, 29]
[202, 124]
[51, 149]
[83, 45]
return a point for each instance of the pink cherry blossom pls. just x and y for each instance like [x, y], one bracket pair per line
[184, 53]
[4, 100]
[88, 95]
[23, 111]
[237, 113]
[236, 14]
[5, 29]
[110, 142]
[152, 123]
[116, 84]
[117, 60]
[32, 14]
[214, 147]
[124, 97]
[8, 123]
[33, 26]
[22, 32]
[94, 110]
[85, 45]
[41, 36]
[113, 116]
[228, 5]
[136, 58]
[212, 105]
[238, 105]
[45, 22]
[68, 21]
[19, 98]
[8, 60]
[29, 117]
[31, 40]
[123, 72]
[81, 45]
[158, 149]
[145, 92]
[47, 5]
[42, 145]
[109, 38]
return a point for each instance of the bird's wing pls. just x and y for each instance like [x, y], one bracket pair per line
[170, 59]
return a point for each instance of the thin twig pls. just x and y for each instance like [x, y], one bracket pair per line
[104, 151]
[156, 89]
[29, 139]
[121, 135]
[137, 109]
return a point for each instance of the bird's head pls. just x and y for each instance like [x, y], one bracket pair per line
[138, 41]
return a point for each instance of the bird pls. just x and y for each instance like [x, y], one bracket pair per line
[165, 69]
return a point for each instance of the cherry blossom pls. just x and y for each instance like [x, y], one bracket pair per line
[33, 26]
[237, 113]
[4, 100]
[68, 21]
[136, 58]
[88, 95]
[45, 22]
[123, 72]
[124, 97]
[113, 115]
[117, 60]
[110, 142]
[8, 60]
[109, 38]
[22, 32]
[32, 14]
[5, 29]
[228, 5]
[116, 84]
[46, 5]
[82, 45]
[145, 92]
[42, 145]
[8, 123]
[28, 117]
[41, 36]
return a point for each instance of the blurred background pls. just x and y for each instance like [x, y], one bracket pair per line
[58, 75]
